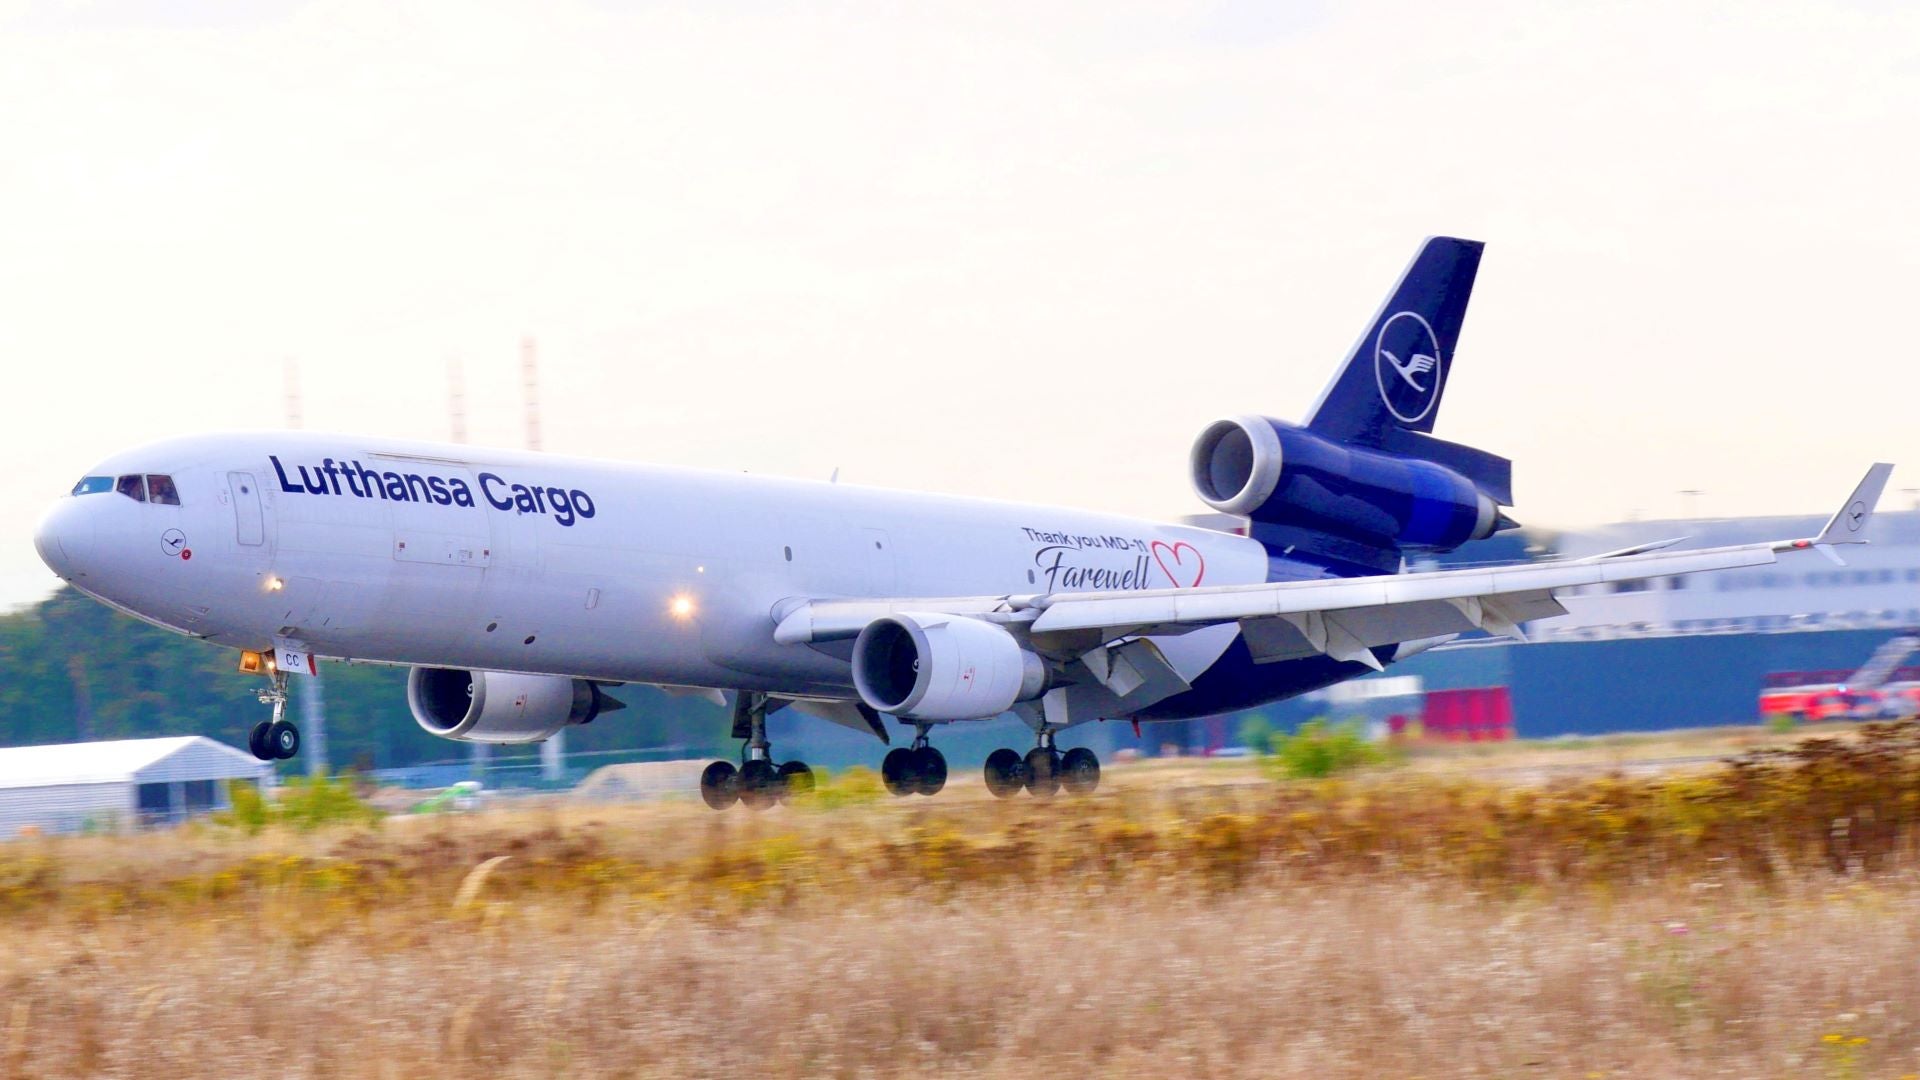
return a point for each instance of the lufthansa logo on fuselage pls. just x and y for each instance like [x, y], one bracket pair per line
[348, 477]
[1408, 366]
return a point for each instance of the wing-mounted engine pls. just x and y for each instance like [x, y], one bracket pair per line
[938, 667]
[1285, 476]
[497, 707]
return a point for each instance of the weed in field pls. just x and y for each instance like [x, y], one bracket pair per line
[853, 786]
[301, 802]
[1320, 749]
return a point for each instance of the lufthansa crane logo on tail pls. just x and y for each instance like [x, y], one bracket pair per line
[1408, 366]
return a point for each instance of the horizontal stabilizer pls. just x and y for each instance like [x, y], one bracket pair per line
[1489, 472]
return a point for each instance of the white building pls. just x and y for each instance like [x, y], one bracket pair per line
[1878, 588]
[123, 784]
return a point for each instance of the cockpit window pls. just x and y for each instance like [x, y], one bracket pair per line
[160, 490]
[133, 487]
[93, 485]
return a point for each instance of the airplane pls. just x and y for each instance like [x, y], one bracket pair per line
[519, 587]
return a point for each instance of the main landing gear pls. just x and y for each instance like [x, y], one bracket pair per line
[1044, 771]
[758, 783]
[276, 739]
[914, 770]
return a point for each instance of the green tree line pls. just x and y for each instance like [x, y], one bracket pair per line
[74, 670]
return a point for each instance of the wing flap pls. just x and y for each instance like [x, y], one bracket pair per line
[1291, 637]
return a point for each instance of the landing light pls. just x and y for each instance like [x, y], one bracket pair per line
[274, 584]
[251, 663]
[681, 607]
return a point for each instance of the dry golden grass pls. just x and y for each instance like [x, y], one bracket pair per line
[1395, 926]
[1531, 761]
[1649, 751]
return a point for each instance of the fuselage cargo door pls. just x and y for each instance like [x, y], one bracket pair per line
[441, 550]
[248, 527]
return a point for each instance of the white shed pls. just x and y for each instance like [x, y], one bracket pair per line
[119, 784]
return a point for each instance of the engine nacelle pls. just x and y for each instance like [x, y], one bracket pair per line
[1271, 471]
[496, 707]
[943, 667]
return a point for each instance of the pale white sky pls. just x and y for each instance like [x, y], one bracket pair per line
[1008, 249]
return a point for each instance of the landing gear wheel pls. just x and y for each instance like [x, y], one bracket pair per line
[898, 773]
[758, 783]
[275, 739]
[1043, 773]
[1006, 773]
[257, 741]
[1080, 771]
[720, 785]
[930, 768]
[795, 779]
[283, 740]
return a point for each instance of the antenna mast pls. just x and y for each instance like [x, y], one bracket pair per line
[553, 752]
[456, 400]
[313, 701]
[291, 376]
[530, 377]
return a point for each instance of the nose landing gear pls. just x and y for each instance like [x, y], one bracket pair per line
[276, 739]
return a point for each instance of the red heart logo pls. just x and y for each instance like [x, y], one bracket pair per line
[1179, 569]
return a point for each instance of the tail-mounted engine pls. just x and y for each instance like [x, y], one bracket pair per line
[1275, 473]
[495, 707]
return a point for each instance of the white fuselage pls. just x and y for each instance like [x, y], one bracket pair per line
[454, 556]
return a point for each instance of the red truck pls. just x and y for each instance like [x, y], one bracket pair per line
[1871, 693]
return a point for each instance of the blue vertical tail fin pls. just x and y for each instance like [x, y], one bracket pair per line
[1393, 380]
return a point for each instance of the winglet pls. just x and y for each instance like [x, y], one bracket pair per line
[1849, 524]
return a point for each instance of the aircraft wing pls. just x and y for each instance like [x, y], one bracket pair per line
[1343, 617]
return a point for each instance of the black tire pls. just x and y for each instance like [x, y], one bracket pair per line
[1043, 772]
[795, 779]
[257, 741]
[283, 740]
[897, 771]
[759, 784]
[1006, 773]
[720, 785]
[1080, 771]
[930, 766]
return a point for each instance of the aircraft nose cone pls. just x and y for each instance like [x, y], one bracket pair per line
[63, 533]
